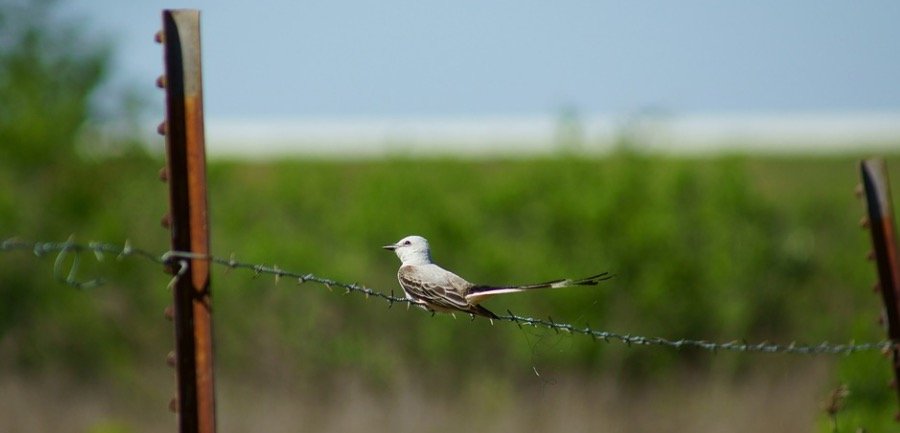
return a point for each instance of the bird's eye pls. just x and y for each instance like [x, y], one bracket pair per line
[407, 243]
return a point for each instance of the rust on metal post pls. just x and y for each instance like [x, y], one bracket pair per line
[189, 224]
[884, 246]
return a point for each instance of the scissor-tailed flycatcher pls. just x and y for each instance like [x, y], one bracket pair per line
[437, 289]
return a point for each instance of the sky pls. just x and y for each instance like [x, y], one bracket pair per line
[421, 58]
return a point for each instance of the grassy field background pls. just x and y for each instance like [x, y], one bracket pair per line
[719, 248]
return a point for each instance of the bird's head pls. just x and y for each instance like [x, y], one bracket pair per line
[412, 250]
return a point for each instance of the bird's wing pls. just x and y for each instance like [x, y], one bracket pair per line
[435, 286]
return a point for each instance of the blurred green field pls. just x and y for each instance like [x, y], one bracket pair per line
[718, 248]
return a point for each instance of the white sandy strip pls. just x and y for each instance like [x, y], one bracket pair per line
[475, 137]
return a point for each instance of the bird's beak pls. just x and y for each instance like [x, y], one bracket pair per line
[390, 247]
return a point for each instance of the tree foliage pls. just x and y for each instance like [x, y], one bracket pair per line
[48, 73]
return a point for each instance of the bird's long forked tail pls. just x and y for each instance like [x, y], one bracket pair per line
[479, 293]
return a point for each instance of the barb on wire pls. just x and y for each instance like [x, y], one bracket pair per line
[181, 258]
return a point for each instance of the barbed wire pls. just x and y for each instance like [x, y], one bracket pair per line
[180, 258]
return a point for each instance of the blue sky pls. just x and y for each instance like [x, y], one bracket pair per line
[285, 59]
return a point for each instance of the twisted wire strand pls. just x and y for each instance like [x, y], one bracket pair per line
[180, 258]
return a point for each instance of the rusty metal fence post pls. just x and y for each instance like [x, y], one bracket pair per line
[188, 220]
[884, 249]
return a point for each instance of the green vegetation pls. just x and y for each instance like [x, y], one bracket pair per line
[722, 248]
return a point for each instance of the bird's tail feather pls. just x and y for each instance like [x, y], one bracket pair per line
[480, 292]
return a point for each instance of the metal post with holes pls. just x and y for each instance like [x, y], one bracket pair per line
[188, 220]
[884, 249]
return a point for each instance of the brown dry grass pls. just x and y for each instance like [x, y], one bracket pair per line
[784, 399]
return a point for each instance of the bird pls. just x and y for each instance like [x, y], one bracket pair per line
[436, 289]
